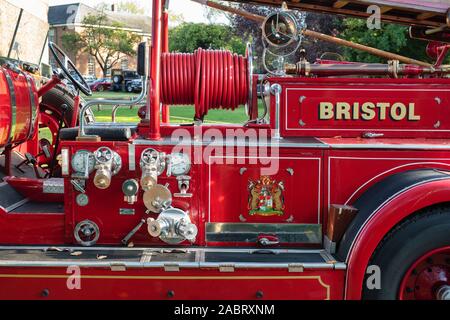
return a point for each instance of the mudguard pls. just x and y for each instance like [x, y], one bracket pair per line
[382, 207]
[380, 194]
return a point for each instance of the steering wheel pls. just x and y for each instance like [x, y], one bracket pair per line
[79, 83]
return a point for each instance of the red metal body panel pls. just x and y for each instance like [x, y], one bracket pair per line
[17, 113]
[334, 164]
[104, 284]
[228, 201]
[382, 222]
[396, 108]
[5, 109]
[351, 172]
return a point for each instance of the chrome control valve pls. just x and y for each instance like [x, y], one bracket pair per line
[153, 165]
[184, 183]
[107, 163]
[173, 226]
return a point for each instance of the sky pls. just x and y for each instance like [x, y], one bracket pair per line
[192, 12]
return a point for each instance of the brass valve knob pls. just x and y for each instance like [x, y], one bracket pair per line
[102, 179]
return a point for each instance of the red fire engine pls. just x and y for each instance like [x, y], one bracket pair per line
[337, 186]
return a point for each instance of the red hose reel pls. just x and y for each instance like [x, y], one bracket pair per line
[209, 79]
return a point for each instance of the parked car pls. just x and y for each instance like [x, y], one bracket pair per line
[101, 85]
[90, 79]
[134, 85]
[121, 79]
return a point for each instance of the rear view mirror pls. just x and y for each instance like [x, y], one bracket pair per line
[142, 59]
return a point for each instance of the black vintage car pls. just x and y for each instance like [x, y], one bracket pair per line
[122, 78]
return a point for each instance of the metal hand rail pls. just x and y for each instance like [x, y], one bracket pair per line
[116, 103]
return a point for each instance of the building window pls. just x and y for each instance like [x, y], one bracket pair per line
[91, 66]
[124, 64]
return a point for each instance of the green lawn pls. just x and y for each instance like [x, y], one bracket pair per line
[178, 114]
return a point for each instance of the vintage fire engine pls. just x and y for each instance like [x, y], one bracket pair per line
[340, 176]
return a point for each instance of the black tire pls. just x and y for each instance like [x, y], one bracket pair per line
[55, 98]
[408, 242]
[130, 89]
[117, 79]
[101, 88]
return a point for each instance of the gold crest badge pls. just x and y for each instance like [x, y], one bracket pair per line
[266, 197]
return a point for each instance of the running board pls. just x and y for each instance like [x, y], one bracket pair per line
[171, 259]
[10, 199]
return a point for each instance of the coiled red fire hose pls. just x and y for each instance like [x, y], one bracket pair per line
[209, 79]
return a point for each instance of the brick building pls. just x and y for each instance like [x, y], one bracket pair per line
[69, 18]
[24, 29]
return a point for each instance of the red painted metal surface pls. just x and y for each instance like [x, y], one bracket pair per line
[300, 172]
[351, 107]
[33, 189]
[16, 120]
[104, 284]
[155, 71]
[165, 49]
[382, 222]
[426, 276]
[411, 114]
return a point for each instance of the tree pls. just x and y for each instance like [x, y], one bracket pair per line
[106, 41]
[188, 37]
[250, 31]
[391, 37]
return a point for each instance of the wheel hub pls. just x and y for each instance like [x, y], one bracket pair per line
[428, 278]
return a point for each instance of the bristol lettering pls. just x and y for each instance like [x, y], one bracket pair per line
[368, 111]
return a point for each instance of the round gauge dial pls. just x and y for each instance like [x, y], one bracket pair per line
[83, 159]
[180, 164]
[82, 200]
[104, 155]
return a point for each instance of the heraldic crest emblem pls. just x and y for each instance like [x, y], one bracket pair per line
[266, 197]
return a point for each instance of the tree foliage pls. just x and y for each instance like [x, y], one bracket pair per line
[188, 37]
[106, 41]
[391, 37]
[250, 31]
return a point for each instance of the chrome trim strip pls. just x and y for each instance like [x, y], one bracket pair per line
[33, 105]
[391, 146]
[284, 143]
[289, 143]
[192, 265]
[16, 205]
[160, 249]
[13, 101]
[131, 157]
[249, 232]
[147, 253]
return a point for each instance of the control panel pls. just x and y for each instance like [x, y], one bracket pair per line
[147, 193]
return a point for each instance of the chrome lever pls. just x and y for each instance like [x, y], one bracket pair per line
[268, 242]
